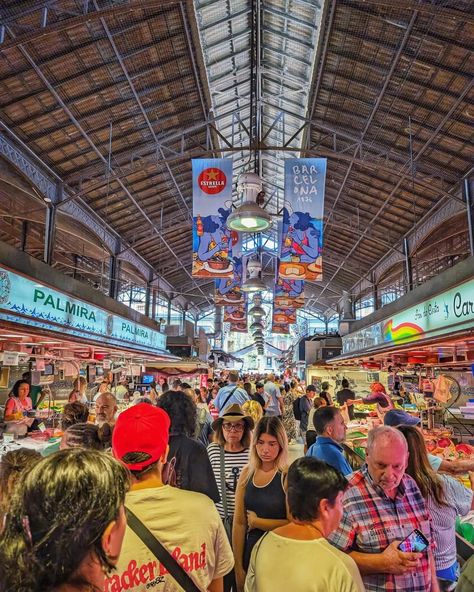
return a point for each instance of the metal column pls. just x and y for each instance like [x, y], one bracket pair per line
[375, 292]
[168, 320]
[408, 266]
[49, 232]
[468, 191]
[114, 268]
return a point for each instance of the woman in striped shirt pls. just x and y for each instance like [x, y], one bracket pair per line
[228, 454]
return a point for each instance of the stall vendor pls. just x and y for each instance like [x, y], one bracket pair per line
[19, 404]
[377, 396]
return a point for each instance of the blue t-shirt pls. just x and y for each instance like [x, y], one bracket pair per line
[329, 451]
[238, 396]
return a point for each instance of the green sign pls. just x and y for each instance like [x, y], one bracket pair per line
[447, 312]
[26, 302]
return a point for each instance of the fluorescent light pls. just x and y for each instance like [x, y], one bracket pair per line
[249, 222]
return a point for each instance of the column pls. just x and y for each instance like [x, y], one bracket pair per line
[468, 192]
[408, 266]
[114, 266]
[49, 232]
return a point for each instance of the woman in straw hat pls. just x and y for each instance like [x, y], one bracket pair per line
[228, 454]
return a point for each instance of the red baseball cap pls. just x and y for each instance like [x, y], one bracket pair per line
[141, 428]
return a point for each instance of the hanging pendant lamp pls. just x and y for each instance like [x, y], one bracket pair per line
[249, 217]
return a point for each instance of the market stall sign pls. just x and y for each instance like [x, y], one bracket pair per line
[26, 302]
[449, 311]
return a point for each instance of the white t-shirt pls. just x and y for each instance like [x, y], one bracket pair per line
[279, 564]
[188, 526]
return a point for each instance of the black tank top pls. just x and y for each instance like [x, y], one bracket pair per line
[267, 502]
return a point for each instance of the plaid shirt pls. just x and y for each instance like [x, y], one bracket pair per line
[372, 520]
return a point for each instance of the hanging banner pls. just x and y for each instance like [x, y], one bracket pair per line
[289, 293]
[228, 290]
[237, 317]
[302, 233]
[282, 318]
[212, 204]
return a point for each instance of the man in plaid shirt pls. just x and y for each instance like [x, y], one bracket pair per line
[382, 506]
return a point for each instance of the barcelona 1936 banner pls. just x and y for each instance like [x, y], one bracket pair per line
[212, 204]
[302, 233]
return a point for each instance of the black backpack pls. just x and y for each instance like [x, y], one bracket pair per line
[297, 408]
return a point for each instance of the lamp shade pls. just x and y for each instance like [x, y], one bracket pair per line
[249, 217]
[256, 325]
[254, 284]
[257, 311]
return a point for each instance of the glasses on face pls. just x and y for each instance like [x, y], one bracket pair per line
[233, 427]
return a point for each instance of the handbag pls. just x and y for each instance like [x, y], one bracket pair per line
[163, 555]
[227, 518]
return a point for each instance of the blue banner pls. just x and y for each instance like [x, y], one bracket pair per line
[212, 204]
[302, 233]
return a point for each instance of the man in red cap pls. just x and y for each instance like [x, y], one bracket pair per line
[184, 522]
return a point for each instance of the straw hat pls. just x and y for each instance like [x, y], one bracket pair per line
[233, 413]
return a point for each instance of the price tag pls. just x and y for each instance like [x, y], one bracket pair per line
[41, 427]
[8, 438]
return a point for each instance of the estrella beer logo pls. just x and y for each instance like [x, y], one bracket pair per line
[212, 181]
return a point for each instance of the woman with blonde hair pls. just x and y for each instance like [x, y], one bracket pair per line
[260, 503]
[254, 409]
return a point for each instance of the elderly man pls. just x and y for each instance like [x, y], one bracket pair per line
[105, 409]
[382, 506]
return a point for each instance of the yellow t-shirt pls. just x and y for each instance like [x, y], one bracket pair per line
[188, 526]
[280, 564]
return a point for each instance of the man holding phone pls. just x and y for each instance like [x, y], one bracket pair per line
[382, 509]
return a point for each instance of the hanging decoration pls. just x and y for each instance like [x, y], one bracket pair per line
[212, 204]
[282, 318]
[302, 233]
[289, 293]
[237, 317]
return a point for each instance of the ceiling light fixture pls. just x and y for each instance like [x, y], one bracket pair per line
[257, 312]
[249, 216]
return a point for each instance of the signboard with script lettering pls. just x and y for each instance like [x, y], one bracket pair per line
[26, 302]
[447, 312]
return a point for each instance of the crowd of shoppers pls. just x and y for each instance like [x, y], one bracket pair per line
[231, 516]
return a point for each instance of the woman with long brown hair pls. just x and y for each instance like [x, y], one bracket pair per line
[260, 502]
[446, 498]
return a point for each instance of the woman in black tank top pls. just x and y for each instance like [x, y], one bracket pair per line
[260, 502]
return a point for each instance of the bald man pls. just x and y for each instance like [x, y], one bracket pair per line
[382, 506]
[105, 409]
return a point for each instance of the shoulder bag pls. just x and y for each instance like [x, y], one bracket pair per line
[227, 398]
[172, 566]
[227, 519]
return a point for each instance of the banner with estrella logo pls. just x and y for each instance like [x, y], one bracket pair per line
[212, 204]
[302, 233]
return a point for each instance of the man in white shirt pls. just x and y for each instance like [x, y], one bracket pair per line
[275, 405]
[186, 523]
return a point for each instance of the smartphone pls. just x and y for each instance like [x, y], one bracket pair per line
[416, 542]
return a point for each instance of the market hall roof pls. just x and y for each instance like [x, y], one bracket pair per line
[117, 96]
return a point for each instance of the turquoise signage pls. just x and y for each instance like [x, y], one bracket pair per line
[447, 312]
[29, 303]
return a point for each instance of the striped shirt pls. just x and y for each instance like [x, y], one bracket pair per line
[459, 500]
[234, 462]
[372, 520]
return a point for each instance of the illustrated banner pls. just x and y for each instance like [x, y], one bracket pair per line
[228, 289]
[282, 318]
[289, 293]
[212, 204]
[302, 232]
[237, 317]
